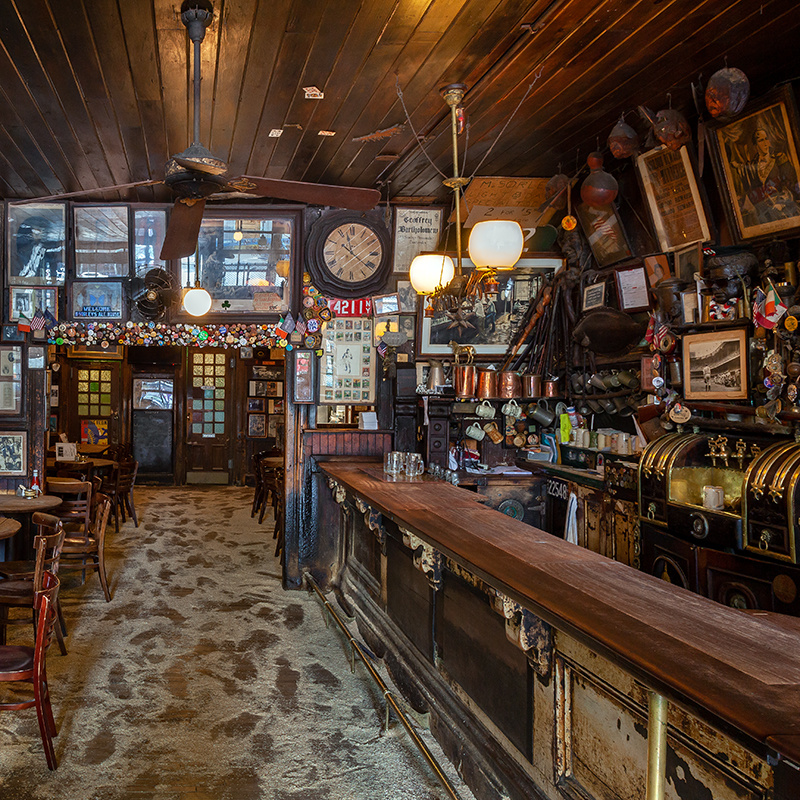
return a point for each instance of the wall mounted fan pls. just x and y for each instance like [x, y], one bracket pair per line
[196, 174]
[156, 293]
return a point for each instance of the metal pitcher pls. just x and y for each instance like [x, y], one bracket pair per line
[509, 385]
[435, 375]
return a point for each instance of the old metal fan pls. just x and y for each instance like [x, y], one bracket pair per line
[156, 294]
[196, 174]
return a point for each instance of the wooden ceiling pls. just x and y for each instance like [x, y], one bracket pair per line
[96, 92]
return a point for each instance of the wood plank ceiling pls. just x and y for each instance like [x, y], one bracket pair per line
[96, 92]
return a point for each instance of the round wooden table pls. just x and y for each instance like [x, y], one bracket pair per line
[8, 527]
[20, 547]
[97, 463]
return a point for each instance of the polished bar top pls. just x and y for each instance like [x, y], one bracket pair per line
[740, 667]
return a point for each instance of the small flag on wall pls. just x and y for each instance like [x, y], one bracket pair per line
[24, 324]
[38, 322]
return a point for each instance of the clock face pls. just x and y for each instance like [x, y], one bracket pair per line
[348, 254]
[353, 252]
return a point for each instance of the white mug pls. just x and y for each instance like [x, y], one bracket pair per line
[476, 432]
[713, 497]
[485, 410]
[512, 409]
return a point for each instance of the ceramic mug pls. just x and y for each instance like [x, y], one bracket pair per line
[493, 432]
[541, 413]
[713, 497]
[512, 409]
[485, 410]
[475, 431]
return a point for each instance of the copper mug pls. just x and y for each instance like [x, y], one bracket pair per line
[531, 385]
[509, 385]
[551, 388]
[465, 380]
[487, 383]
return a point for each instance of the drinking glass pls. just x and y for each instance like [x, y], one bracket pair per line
[414, 465]
[392, 463]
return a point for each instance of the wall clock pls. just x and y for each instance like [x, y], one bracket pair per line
[348, 254]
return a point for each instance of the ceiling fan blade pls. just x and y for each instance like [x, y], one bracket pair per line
[321, 194]
[183, 229]
[85, 192]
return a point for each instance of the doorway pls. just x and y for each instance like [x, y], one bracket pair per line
[153, 425]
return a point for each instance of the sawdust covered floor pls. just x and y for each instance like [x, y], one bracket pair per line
[203, 679]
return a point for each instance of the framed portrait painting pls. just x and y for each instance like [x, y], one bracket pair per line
[715, 365]
[604, 231]
[757, 165]
[36, 244]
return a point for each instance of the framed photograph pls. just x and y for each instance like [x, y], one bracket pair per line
[348, 367]
[408, 297]
[255, 404]
[715, 365]
[53, 423]
[36, 357]
[257, 388]
[245, 352]
[386, 304]
[594, 296]
[97, 300]
[490, 321]
[632, 290]
[13, 453]
[689, 308]
[101, 241]
[657, 268]
[11, 333]
[757, 166]
[688, 262]
[25, 301]
[272, 427]
[383, 326]
[256, 425]
[54, 395]
[416, 230]
[673, 197]
[113, 352]
[11, 380]
[36, 243]
[604, 232]
[277, 406]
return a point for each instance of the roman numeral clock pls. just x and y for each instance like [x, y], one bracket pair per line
[349, 254]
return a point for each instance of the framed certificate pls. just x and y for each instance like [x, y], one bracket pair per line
[632, 288]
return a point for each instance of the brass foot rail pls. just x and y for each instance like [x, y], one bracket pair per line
[355, 649]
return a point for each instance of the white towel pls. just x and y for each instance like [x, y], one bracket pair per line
[571, 523]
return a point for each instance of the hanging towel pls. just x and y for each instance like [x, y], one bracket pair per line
[571, 523]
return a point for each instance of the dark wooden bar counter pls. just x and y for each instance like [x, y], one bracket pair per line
[739, 671]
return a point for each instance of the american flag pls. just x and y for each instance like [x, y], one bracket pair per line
[382, 348]
[39, 321]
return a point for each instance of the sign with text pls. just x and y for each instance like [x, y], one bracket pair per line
[357, 307]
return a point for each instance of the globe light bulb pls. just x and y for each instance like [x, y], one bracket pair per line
[197, 301]
[429, 271]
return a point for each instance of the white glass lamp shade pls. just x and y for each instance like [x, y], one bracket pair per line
[429, 271]
[197, 302]
[495, 244]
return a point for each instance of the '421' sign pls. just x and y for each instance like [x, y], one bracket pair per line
[358, 307]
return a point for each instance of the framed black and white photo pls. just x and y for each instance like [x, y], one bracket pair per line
[256, 425]
[715, 365]
[257, 388]
[416, 230]
[408, 297]
[255, 404]
[13, 453]
[603, 229]
[11, 333]
[11, 380]
[36, 243]
[594, 296]
[97, 300]
[632, 289]
[688, 262]
[25, 301]
[36, 357]
[101, 242]
[385, 304]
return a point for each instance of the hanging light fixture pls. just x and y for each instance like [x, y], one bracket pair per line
[237, 234]
[431, 271]
[196, 300]
[495, 244]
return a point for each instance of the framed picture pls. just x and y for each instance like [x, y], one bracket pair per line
[11, 333]
[689, 307]
[408, 297]
[97, 300]
[594, 296]
[673, 197]
[715, 365]
[604, 232]
[256, 425]
[385, 304]
[11, 380]
[632, 289]
[277, 406]
[383, 326]
[490, 321]
[255, 404]
[36, 357]
[348, 367]
[101, 241]
[13, 453]
[113, 352]
[267, 373]
[54, 395]
[274, 388]
[257, 388]
[53, 423]
[657, 268]
[245, 352]
[757, 166]
[646, 373]
[688, 262]
[416, 230]
[36, 243]
[27, 300]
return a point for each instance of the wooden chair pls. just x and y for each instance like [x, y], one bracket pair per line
[79, 471]
[87, 552]
[75, 511]
[28, 665]
[24, 578]
[259, 492]
[120, 489]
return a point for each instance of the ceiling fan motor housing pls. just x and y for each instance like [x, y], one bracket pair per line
[197, 15]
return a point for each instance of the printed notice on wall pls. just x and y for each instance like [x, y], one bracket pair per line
[416, 230]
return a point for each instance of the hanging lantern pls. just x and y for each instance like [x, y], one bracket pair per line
[600, 188]
[197, 301]
[727, 92]
[430, 271]
[495, 244]
[623, 141]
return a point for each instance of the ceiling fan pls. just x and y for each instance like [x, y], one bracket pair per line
[196, 174]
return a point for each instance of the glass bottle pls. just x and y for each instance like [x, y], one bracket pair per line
[35, 485]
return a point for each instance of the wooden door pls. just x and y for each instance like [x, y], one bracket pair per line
[209, 423]
[95, 398]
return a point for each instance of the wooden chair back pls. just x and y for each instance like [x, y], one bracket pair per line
[47, 544]
[75, 511]
[126, 476]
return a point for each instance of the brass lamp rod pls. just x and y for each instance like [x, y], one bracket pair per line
[453, 95]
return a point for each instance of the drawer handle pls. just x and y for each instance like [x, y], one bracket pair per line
[651, 511]
[763, 542]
